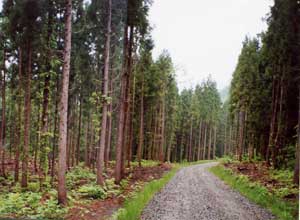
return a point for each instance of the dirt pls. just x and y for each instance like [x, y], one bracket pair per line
[102, 209]
[195, 193]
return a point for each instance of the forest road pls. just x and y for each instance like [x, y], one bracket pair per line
[195, 193]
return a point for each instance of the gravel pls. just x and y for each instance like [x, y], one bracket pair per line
[195, 193]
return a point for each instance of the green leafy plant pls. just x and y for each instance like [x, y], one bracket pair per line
[92, 191]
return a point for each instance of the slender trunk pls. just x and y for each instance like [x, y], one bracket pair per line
[122, 112]
[63, 107]
[18, 133]
[215, 142]
[79, 134]
[296, 169]
[241, 134]
[204, 142]
[27, 110]
[209, 142]
[225, 140]
[109, 128]
[44, 119]
[162, 132]
[2, 134]
[141, 132]
[87, 141]
[190, 142]
[199, 141]
[100, 159]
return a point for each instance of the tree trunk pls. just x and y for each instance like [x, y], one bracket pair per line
[204, 142]
[122, 112]
[141, 132]
[296, 169]
[109, 132]
[209, 143]
[79, 134]
[162, 132]
[100, 159]
[215, 142]
[241, 134]
[18, 133]
[199, 141]
[2, 134]
[63, 107]
[27, 111]
[190, 142]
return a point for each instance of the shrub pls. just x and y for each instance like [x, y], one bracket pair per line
[92, 191]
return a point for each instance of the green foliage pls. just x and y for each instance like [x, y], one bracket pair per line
[92, 191]
[257, 193]
[77, 174]
[30, 204]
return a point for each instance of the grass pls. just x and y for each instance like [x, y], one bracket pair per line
[134, 205]
[283, 210]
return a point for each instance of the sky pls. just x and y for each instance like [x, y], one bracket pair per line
[204, 37]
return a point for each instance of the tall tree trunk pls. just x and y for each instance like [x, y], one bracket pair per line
[18, 133]
[209, 143]
[199, 141]
[109, 128]
[215, 142]
[44, 119]
[63, 107]
[122, 112]
[2, 134]
[27, 111]
[100, 159]
[241, 134]
[162, 132]
[79, 134]
[141, 130]
[190, 142]
[296, 169]
[225, 140]
[204, 142]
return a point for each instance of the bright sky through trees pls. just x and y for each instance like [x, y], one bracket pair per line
[205, 36]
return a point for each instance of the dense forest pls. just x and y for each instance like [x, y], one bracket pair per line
[79, 85]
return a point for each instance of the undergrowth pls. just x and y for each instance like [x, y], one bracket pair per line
[283, 210]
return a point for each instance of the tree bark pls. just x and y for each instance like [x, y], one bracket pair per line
[79, 134]
[204, 142]
[141, 132]
[215, 142]
[63, 107]
[100, 159]
[27, 111]
[241, 134]
[296, 169]
[122, 112]
[199, 141]
[209, 143]
[190, 142]
[2, 134]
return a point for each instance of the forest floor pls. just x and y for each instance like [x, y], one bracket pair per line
[195, 193]
[86, 200]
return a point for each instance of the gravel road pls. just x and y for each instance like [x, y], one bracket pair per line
[195, 193]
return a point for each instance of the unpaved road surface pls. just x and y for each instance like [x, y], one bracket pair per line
[195, 193]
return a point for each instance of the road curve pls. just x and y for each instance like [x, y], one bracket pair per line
[195, 193]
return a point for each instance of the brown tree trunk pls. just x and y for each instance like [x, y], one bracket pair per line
[209, 143]
[190, 142]
[141, 130]
[241, 134]
[18, 133]
[79, 134]
[44, 119]
[27, 110]
[109, 135]
[296, 169]
[199, 141]
[100, 159]
[2, 133]
[162, 132]
[204, 142]
[63, 108]
[122, 112]
[215, 142]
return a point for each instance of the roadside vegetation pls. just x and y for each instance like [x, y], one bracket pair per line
[270, 188]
